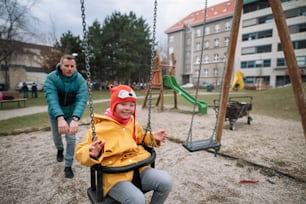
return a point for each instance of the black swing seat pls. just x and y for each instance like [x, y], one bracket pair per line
[95, 191]
[202, 145]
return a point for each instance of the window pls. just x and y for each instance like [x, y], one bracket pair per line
[196, 73]
[206, 59]
[217, 28]
[264, 19]
[216, 71]
[297, 28]
[217, 42]
[280, 62]
[264, 48]
[301, 60]
[197, 60]
[265, 34]
[224, 57]
[171, 38]
[256, 5]
[301, 11]
[198, 46]
[216, 57]
[205, 72]
[256, 64]
[227, 26]
[206, 44]
[226, 41]
[207, 30]
[248, 50]
[299, 44]
[257, 35]
[198, 32]
[249, 22]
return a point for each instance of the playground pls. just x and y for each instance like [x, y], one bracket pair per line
[263, 163]
[32, 175]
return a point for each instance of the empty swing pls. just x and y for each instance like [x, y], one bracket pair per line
[95, 191]
[210, 143]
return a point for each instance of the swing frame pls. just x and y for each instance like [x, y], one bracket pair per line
[95, 191]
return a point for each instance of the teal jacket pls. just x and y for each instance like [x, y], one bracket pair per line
[66, 96]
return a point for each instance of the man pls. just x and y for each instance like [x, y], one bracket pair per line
[66, 94]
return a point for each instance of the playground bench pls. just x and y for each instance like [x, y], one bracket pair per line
[15, 95]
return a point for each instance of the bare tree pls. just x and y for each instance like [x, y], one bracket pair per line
[14, 26]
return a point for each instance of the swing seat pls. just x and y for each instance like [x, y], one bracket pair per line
[95, 191]
[202, 145]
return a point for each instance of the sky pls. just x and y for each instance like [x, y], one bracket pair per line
[59, 16]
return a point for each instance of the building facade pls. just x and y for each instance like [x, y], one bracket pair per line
[24, 64]
[259, 51]
[259, 54]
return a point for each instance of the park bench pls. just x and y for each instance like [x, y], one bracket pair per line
[12, 97]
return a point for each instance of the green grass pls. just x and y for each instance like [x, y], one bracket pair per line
[277, 103]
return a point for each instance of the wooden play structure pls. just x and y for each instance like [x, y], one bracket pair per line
[162, 80]
[157, 80]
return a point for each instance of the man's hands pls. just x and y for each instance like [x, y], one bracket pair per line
[62, 125]
[74, 127]
[64, 128]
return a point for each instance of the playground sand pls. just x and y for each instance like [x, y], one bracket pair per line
[270, 151]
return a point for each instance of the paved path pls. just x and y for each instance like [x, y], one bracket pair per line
[7, 114]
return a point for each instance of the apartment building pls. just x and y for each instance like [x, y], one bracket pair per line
[258, 53]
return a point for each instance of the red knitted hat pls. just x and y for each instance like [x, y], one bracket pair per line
[120, 94]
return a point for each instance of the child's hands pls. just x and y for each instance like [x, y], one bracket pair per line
[160, 136]
[96, 148]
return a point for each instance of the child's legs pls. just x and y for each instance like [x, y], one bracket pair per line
[158, 181]
[127, 193]
[57, 138]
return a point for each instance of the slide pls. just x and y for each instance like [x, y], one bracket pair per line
[170, 82]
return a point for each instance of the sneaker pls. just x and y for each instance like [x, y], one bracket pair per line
[60, 156]
[68, 172]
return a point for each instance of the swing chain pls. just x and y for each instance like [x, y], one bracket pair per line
[87, 66]
[189, 138]
[149, 128]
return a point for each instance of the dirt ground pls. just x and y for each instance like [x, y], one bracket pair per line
[270, 151]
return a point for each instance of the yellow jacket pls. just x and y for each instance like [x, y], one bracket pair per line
[120, 148]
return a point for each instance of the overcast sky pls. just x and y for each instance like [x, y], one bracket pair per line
[59, 16]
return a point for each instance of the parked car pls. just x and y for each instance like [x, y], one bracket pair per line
[207, 86]
[187, 86]
[19, 85]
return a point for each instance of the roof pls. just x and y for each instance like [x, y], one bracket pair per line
[195, 18]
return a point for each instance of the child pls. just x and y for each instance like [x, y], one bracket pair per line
[116, 144]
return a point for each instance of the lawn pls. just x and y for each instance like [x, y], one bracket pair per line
[278, 103]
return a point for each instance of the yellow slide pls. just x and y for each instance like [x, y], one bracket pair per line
[238, 83]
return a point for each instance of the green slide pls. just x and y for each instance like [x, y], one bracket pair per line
[170, 82]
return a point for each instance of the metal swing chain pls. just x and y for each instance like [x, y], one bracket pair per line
[149, 128]
[189, 138]
[87, 66]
